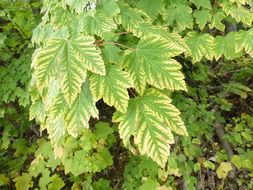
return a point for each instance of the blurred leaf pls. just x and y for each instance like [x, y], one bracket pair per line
[223, 169]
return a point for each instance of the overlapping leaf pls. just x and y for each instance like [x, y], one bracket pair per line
[150, 119]
[151, 7]
[76, 5]
[200, 45]
[202, 3]
[174, 40]
[225, 46]
[181, 15]
[244, 40]
[68, 60]
[129, 17]
[37, 110]
[98, 24]
[202, 17]
[55, 128]
[82, 109]
[241, 13]
[216, 21]
[150, 63]
[112, 87]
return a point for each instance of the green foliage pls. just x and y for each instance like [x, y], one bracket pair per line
[64, 60]
[167, 76]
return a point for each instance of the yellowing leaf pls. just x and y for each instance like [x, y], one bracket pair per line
[112, 87]
[244, 40]
[150, 119]
[3, 180]
[202, 17]
[23, 182]
[150, 63]
[200, 45]
[98, 24]
[164, 187]
[79, 113]
[225, 46]
[223, 169]
[68, 60]
[181, 15]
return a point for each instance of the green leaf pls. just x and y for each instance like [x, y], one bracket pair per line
[216, 21]
[44, 179]
[150, 119]
[174, 40]
[37, 110]
[23, 182]
[101, 184]
[45, 60]
[105, 158]
[55, 128]
[2, 39]
[150, 63]
[202, 17]
[57, 183]
[4, 180]
[237, 161]
[111, 53]
[76, 5]
[129, 17]
[200, 45]
[209, 164]
[58, 106]
[181, 15]
[103, 130]
[109, 7]
[112, 87]
[225, 46]
[152, 8]
[240, 14]
[202, 3]
[98, 24]
[70, 20]
[71, 57]
[149, 184]
[244, 40]
[79, 113]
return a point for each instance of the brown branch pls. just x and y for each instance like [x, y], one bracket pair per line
[132, 92]
[219, 129]
[127, 32]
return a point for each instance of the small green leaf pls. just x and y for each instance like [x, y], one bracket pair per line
[216, 21]
[151, 7]
[57, 183]
[23, 182]
[103, 130]
[244, 40]
[209, 164]
[202, 18]
[181, 15]
[149, 184]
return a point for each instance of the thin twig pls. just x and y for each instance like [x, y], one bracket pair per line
[127, 32]
[132, 92]
[21, 31]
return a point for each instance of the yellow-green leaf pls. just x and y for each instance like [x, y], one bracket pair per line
[223, 169]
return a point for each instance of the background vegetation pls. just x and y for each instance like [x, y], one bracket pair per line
[217, 109]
